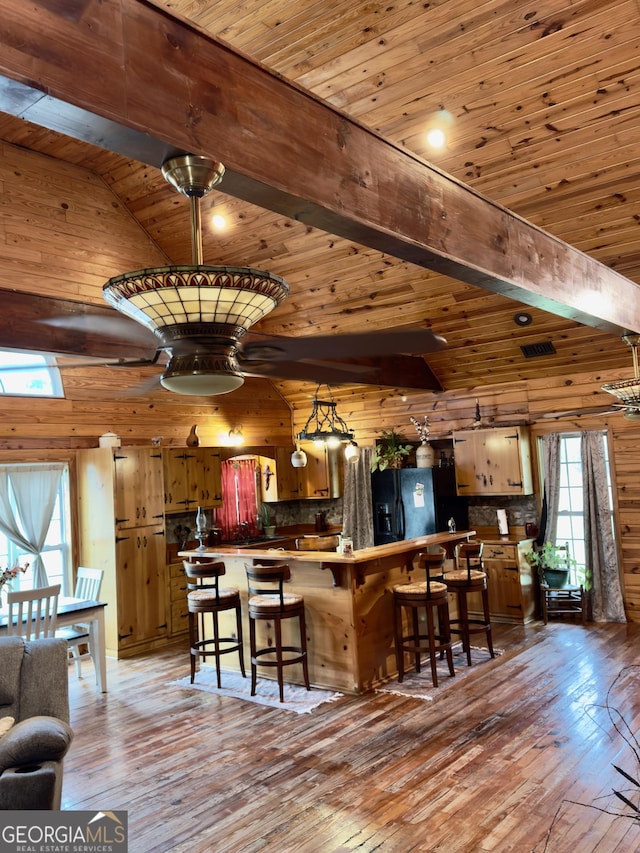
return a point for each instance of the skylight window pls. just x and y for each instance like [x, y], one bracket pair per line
[29, 374]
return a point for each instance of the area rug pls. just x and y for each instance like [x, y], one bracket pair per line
[419, 685]
[296, 699]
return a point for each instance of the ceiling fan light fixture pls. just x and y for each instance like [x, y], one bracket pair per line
[197, 309]
[201, 375]
[627, 390]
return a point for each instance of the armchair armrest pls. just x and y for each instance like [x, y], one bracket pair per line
[34, 741]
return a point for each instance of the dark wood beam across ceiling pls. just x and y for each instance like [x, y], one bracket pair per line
[126, 76]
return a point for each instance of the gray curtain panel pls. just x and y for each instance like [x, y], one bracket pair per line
[357, 521]
[551, 461]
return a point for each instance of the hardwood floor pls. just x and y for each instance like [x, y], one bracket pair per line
[515, 757]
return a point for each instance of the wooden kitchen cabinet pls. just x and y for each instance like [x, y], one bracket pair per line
[324, 471]
[512, 594]
[121, 531]
[322, 477]
[493, 461]
[192, 478]
[179, 622]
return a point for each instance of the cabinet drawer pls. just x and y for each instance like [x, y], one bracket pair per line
[500, 552]
[179, 617]
[178, 589]
[499, 566]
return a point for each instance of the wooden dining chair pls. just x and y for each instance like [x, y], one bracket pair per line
[88, 582]
[33, 612]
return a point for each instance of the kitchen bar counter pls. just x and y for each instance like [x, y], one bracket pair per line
[348, 603]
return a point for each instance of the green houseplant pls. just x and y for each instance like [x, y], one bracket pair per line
[553, 564]
[389, 451]
[265, 520]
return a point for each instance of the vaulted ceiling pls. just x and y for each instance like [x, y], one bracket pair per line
[540, 110]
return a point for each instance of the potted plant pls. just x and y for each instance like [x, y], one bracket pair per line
[265, 520]
[389, 451]
[553, 564]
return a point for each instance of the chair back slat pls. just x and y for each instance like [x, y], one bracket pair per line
[88, 583]
[33, 613]
[469, 556]
[267, 579]
[433, 564]
[204, 575]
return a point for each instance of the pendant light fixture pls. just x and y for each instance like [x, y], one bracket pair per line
[324, 426]
[198, 312]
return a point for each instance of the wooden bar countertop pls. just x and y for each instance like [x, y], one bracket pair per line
[348, 601]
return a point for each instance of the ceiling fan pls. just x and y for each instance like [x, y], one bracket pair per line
[194, 321]
[626, 390]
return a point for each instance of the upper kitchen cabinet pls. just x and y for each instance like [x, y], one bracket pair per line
[322, 477]
[192, 478]
[493, 461]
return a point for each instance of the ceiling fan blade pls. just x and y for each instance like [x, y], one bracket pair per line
[576, 413]
[394, 371]
[30, 317]
[408, 341]
[79, 365]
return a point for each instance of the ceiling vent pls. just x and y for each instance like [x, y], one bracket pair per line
[535, 350]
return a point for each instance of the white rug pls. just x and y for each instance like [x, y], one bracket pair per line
[419, 685]
[296, 698]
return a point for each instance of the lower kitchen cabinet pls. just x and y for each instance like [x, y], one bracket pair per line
[141, 582]
[179, 623]
[512, 593]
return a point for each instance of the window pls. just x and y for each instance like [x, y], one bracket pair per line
[571, 504]
[56, 550]
[29, 374]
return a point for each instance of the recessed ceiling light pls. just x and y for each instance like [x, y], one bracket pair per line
[436, 137]
[218, 222]
[522, 319]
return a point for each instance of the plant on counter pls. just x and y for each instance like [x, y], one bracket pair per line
[389, 451]
[266, 520]
[552, 562]
[423, 429]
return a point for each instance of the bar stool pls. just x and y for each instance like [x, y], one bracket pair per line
[270, 603]
[463, 582]
[210, 598]
[431, 596]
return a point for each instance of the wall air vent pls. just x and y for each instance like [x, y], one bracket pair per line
[535, 350]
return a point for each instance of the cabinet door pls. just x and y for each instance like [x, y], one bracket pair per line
[174, 463]
[465, 451]
[138, 486]
[141, 585]
[505, 597]
[290, 480]
[502, 454]
[205, 477]
[324, 471]
[493, 462]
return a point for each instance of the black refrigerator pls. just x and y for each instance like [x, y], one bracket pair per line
[410, 502]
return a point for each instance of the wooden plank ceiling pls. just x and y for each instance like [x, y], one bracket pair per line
[540, 108]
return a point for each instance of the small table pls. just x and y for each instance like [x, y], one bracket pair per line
[566, 600]
[71, 611]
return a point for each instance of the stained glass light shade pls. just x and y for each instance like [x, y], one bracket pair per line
[199, 313]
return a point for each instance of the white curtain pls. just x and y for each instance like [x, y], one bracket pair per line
[35, 488]
[357, 521]
[602, 574]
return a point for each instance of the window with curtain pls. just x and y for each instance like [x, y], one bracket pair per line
[578, 508]
[237, 517]
[34, 523]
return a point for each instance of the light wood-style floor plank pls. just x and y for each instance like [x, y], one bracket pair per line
[516, 757]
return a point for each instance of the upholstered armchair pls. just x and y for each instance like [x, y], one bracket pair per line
[34, 691]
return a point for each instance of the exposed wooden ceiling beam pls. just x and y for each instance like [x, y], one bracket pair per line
[125, 75]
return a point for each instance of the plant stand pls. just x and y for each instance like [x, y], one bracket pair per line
[568, 600]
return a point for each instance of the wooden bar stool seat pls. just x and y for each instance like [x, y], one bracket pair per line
[268, 602]
[467, 579]
[432, 597]
[205, 597]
